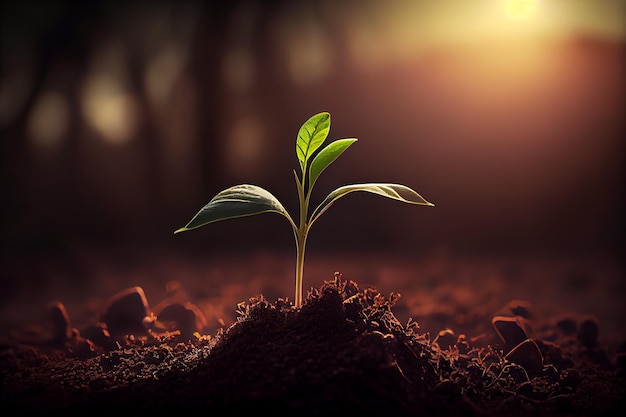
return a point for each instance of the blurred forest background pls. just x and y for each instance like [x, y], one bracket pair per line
[119, 120]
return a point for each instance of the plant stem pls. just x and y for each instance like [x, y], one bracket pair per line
[300, 246]
[300, 235]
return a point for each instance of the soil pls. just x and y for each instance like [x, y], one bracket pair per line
[346, 350]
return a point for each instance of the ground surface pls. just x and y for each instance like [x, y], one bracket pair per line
[385, 336]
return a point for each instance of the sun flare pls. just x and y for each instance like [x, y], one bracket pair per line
[519, 9]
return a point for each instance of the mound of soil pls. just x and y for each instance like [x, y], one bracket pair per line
[343, 351]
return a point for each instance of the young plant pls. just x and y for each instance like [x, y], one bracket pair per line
[247, 200]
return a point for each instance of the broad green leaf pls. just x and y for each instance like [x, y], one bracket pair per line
[394, 191]
[237, 201]
[326, 157]
[311, 136]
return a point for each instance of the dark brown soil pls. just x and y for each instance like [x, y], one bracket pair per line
[344, 351]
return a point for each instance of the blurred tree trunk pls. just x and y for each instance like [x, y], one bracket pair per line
[207, 48]
[62, 42]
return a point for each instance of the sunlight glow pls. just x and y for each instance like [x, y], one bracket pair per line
[385, 33]
[520, 9]
[106, 102]
[111, 112]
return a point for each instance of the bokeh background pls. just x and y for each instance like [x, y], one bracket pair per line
[120, 120]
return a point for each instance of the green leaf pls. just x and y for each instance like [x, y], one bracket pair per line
[237, 201]
[394, 191]
[326, 157]
[311, 136]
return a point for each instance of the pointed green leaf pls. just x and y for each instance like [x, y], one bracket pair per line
[326, 157]
[311, 136]
[394, 191]
[237, 201]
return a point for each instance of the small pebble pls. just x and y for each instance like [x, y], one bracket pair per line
[126, 311]
[510, 329]
[185, 318]
[59, 322]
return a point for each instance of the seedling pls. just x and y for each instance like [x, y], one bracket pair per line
[247, 199]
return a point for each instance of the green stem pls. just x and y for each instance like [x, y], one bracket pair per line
[301, 235]
[300, 246]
